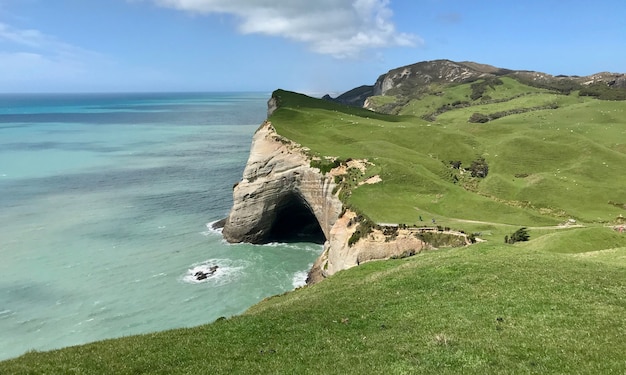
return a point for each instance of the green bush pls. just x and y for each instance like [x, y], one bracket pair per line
[519, 235]
[364, 228]
[325, 165]
[479, 88]
[479, 168]
[479, 118]
[482, 118]
[603, 91]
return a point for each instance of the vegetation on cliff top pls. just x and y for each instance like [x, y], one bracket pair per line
[540, 161]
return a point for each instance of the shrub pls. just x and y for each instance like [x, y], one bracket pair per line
[479, 168]
[364, 228]
[456, 164]
[482, 118]
[517, 236]
[439, 239]
[603, 91]
[479, 88]
[479, 118]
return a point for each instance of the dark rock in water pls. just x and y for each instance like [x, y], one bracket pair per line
[201, 275]
[219, 224]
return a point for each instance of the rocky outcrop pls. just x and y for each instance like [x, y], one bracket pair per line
[282, 197]
[280, 194]
[339, 255]
[411, 77]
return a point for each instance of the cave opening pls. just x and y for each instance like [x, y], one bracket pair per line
[295, 222]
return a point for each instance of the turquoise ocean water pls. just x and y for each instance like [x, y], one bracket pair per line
[104, 206]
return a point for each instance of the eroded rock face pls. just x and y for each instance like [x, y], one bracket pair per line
[339, 255]
[280, 194]
[426, 72]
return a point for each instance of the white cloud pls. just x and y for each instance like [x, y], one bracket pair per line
[30, 59]
[341, 28]
[35, 40]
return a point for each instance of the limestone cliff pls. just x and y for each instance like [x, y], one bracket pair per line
[280, 194]
[340, 255]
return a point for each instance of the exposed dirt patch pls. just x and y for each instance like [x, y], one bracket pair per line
[372, 180]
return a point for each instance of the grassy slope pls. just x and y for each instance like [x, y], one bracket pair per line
[552, 305]
[575, 151]
[487, 309]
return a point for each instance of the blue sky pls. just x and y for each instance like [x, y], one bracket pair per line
[313, 46]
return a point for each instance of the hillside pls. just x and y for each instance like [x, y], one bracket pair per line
[544, 149]
[481, 149]
[401, 85]
[491, 309]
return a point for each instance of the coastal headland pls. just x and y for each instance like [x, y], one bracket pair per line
[436, 155]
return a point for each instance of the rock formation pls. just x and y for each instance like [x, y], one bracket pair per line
[280, 194]
[339, 255]
[282, 197]
[436, 71]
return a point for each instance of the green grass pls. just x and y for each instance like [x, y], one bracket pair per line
[541, 162]
[489, 309]
[583, 240]
[552, 305]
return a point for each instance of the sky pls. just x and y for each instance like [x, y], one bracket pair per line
[311, 46]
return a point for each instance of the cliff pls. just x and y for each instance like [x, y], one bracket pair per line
[282, 198]
[280, 195]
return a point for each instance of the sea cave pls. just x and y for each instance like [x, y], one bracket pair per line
[295, 222]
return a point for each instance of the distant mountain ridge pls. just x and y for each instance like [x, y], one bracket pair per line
[413, 80]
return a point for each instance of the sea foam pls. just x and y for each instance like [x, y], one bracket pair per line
[299, 278]
[227, 271]
[211, 230]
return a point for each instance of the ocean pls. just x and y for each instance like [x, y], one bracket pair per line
[105, 201]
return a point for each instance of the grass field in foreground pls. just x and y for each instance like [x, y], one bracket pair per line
[487, 309]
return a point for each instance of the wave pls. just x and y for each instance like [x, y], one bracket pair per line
[227, 271]
[211, 230]
[304, 246]
[299, 278]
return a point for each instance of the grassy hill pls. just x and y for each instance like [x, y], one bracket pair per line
[554, 304]
[488, 309]
[542, 162]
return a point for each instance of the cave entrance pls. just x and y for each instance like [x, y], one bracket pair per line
[295, 222]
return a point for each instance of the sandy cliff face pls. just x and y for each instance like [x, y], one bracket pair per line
[279, 192]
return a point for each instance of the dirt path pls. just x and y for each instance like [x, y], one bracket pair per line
[560, 226]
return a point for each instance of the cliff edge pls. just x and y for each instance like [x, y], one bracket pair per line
[281, 197]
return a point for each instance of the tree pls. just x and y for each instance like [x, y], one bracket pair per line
[518, 236]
